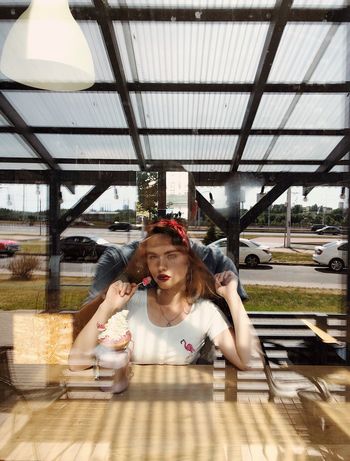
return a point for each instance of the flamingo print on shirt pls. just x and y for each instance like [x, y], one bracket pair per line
[187, 346]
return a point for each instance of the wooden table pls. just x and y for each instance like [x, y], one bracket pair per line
[167, 413]
[332, 374]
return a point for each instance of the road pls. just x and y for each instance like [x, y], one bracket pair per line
[302, 276]
[267, 274]
[295, 276]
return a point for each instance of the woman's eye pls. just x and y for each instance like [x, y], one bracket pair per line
[172, 257]
[151, 257]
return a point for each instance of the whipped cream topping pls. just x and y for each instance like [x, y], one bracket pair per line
[116, 327]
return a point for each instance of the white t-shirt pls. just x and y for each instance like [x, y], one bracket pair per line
[176, 345]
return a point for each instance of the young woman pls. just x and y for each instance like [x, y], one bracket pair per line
[170, 320]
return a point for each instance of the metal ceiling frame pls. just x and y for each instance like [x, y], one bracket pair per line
[105, 16]
[89, 13]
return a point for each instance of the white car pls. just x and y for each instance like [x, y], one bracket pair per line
[250, 252]
[332, 254]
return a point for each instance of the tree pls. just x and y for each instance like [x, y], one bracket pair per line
[147, 188]
[212, 234]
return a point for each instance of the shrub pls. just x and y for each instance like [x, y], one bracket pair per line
[22, 267]
[212, 234]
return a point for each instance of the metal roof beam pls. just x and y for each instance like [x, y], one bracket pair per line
[238, 87]
[340, 150]
[110, 39]
[89, 13]
[174, 131]
[128, 178]
[273, 38]
[217, 218]
[151, 87]
[212, 179]
[79, 208]
[267, 200]
[37, 147]
[107, 161]
[33, 142]
[334, 158]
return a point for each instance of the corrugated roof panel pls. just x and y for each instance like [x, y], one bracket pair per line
[332, 66]
[195, 3]
[96, 44]
[23, 166]
[340, 169]
[248, 168]
[195, 52]
[207, 168]
[5, 27]
[192, 110]
[289, 168]
[256, 147]
[272, 109]
[98, 167]
[320, 111]
[12, 145]
[88, 146]
[78, 109]
[93, 36]
[4, 121]
[319, 3]
[192, 147]
[297, 50]
[303, 147]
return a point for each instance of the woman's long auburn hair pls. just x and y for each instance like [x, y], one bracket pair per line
[199, 281]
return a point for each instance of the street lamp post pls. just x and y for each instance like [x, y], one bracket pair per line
[211, 201]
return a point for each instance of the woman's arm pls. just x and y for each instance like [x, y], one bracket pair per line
[82, 352]
[236, 345]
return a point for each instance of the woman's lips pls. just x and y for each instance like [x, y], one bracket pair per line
[163, 277]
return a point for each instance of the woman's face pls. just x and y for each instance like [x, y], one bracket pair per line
[168, 265]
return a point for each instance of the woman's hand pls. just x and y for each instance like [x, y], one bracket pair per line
[119, 293]
[226, 283]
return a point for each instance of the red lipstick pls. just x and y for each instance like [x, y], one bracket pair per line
[163, 277]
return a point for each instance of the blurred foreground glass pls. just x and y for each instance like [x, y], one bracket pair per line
[46, 49]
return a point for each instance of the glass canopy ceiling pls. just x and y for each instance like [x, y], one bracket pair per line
[219, 86]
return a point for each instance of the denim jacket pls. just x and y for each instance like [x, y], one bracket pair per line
[113, 261]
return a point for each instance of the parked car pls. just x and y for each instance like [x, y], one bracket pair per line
[9, 247]
[334, 230]
[123, 226]
[83, 247]
[250, 252]
[315, 227]
[332, 254]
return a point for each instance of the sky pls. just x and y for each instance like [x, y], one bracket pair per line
[25, 197]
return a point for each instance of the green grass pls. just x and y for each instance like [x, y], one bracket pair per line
[291, 257]
[289, 299]
[15, 294]
[36, 247]
[30, 295]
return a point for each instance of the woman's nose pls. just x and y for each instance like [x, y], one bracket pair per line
[162, 263]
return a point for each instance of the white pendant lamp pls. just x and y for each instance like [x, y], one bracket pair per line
[47, 49]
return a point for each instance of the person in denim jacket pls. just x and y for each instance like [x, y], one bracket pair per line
[114, 260]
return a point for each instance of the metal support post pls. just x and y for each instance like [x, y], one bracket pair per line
[53, 246]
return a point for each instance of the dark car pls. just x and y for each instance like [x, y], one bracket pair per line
[315, 227]
[334, 230]
[82, 247]
[122, 226]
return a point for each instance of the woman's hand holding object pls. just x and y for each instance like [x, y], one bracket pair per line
[226, 283]
[119, 293]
